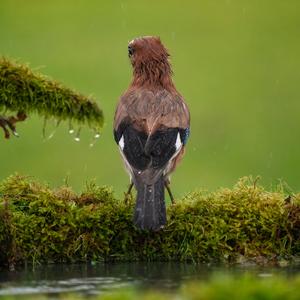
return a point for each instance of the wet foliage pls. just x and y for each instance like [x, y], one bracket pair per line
[26, 91]
[42, 225]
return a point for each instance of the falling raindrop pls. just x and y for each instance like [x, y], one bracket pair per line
[71, 129]
[77, 138]
[50, 136]
[96, 137]
[44, 127]
[45, 137]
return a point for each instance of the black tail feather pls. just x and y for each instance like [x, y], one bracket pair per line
[150, 209]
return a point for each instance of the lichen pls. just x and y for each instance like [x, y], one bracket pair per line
[42, 225]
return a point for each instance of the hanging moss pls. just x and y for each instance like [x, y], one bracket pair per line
[42, 225]
[22, 90]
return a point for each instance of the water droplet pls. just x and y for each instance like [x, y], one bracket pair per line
[71, 129]
[92, 144]
[53, 126]
[139, 172]
[77, 138]
[54, 131]
[51, 135]
[95, 138]
[44, 127]
[150, 190]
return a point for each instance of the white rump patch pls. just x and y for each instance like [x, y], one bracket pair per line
[178, 143]
[121, 142]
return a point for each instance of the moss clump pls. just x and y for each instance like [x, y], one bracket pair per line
[30, 92]
[43, 225]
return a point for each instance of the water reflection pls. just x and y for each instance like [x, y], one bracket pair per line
[95, 279]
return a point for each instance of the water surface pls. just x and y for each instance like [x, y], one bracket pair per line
[101, 278]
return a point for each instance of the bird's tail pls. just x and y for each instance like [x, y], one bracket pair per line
[150, 209]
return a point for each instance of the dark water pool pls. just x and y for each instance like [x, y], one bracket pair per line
[95, 279]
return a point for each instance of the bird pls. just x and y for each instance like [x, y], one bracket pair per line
[151, 128]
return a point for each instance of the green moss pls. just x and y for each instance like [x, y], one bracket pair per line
[41, 225]
[247, 287]
[21, 89]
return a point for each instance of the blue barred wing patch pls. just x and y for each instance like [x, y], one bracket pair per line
[184, 135]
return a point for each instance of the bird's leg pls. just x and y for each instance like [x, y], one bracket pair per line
[130, 188]
[128, 194]
[167, 185]
[10, 122]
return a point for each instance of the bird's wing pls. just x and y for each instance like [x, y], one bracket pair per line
[151, 129]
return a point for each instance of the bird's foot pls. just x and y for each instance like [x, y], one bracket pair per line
[8, 124]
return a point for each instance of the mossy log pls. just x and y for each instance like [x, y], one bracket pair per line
[24, 91]
[41, 225]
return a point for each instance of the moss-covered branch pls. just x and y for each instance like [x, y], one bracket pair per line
[25, 91]
[38, 224]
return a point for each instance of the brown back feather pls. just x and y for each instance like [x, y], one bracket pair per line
[149, 111]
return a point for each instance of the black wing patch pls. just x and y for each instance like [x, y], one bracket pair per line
[155, 152]
[132, 143]
[161, 146]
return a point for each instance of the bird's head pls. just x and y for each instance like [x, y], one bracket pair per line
[150, 59]
[147, 49]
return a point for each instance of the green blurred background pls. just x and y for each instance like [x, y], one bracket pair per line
[236, 62]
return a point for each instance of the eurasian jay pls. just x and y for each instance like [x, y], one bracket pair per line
[151, 128]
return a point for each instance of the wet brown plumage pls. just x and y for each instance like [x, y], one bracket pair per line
[151, 127]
